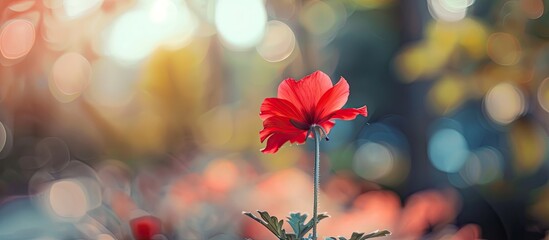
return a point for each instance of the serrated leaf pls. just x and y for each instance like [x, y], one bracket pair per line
[273, 224]
[361, 236]
[270, 222]
[291, 236]
[376, 233]
[356, 236]
[297, 222]
[309, 225]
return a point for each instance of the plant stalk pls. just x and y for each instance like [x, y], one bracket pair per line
[316, 173]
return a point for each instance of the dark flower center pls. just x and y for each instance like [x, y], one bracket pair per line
[300, 125]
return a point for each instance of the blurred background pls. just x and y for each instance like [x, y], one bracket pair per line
[127, 119]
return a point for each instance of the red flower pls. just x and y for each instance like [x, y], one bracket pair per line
[144, 228]
[301, 104]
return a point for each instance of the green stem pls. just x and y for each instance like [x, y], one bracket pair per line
[316, 132]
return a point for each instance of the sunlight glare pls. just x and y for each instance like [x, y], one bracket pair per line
[241, 23]
[135, 34]
[68, 199]
[79, 8]
[449, 10]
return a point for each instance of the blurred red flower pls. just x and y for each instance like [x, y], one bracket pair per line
[313, 100]
[144, 228]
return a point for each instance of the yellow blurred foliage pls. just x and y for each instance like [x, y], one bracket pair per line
[447, 94]
[372, 4]
[173, 84]
[442, 41]
[540, 209]
[527, 145]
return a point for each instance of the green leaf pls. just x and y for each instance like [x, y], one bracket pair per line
[297, 222]
[356, 236]
[273, 224]
[270, 222]
[291, 236]
[376, 233]
[309, 225]
[361, 236]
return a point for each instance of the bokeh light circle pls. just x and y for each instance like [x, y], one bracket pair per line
[483, 166]
[278, 43]
[373, 161]
[79, 8]
[240, 23]
[86, 177]
[533, 8]
[503, 48]
[318, 17]
[543, 94]
[71, 73]
[323, 18]
[448, 150]
[3, 136]
[504, 103]
[221, 175]
[68, 199]
[17, 38]
[22, 6]
[449, 10]
[390, 144]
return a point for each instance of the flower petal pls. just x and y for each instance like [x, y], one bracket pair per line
[305, 93]
[279, 107]
[279, 130]
[276, 141]
[349, 113]
[278, 124]
[332, 100]
[327, 125]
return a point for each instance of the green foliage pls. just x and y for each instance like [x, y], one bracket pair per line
[361, 236]
[300, 228]
[270, 222]
[297, 220]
